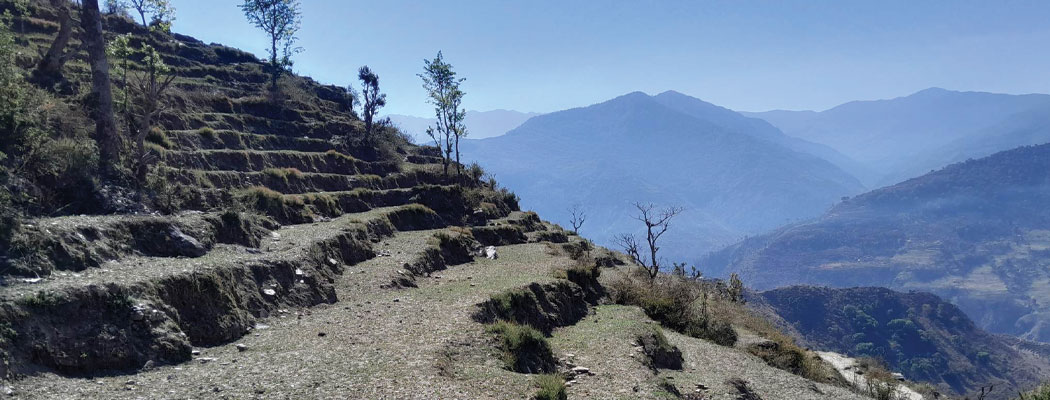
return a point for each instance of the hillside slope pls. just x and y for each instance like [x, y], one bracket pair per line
[903, 137]
[974, 233]
[918, 334]
[290, 260]
[734, 175]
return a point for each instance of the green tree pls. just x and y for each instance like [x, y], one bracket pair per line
[372, 99]
[444, 93]
[160, 12]
[120, 49]
[149, 90]
[280, 19]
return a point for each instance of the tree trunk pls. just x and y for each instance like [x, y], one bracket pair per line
[101, 91]
[276, 72]
[49, 70]
[459, 166]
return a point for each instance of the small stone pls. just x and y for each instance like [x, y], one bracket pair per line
[581, 371]
[333, 262]
[195, 352]
[299, 272]
[130, 382]
[397, 300]
[321, 334]
[570, 383]
[149, 365]
[242, 347]
[269, 292]
[205, 360]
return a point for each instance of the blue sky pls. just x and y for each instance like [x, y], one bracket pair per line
[548, 55]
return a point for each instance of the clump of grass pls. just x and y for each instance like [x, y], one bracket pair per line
[677, 303]
[286, 209]
[323, 203]
[552, 387]
[525, 349]
[284, 173]
[207, 133]
[158, 137]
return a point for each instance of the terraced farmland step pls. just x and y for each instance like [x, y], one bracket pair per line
[259, 125]
[75, 243]
[293, 181]
[257, 160]
[163, 306]
[210, 139]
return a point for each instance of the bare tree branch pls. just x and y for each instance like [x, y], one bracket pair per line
[577, 217]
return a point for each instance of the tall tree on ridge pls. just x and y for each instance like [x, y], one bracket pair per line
[280, 19]
[443, 89]
[372, 100]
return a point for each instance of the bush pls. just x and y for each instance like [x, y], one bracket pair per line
[284, 173]
[158, 137]
[552, 387]
[525, 349]
[207, 133]
[676, 303]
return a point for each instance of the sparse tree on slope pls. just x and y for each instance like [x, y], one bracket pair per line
[657, 222]
[101, 91]
[161, 13]
[372, 99]
[577, 217]
[149, 90]
[443, 89]
[280, 19]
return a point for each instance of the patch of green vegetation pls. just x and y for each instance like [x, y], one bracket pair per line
[207, 133]
[284, 173]
[159, 138]
[525, 349]
[551, 387]
[41, 299]
[676, 303]
[286, 209]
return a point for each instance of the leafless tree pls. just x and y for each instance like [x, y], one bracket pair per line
[657, 222]
[577, 217]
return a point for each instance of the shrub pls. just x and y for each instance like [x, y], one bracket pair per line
[158, 137]
[676, 303]
[552, 387]
[207, 133]
[525, 349]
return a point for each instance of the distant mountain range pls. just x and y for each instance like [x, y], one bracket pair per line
[734, 175]
[480, 124]
[925, 338]
[976, 233]
[892, 140]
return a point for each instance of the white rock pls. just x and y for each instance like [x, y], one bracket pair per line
[269, 292]
[490, 253]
